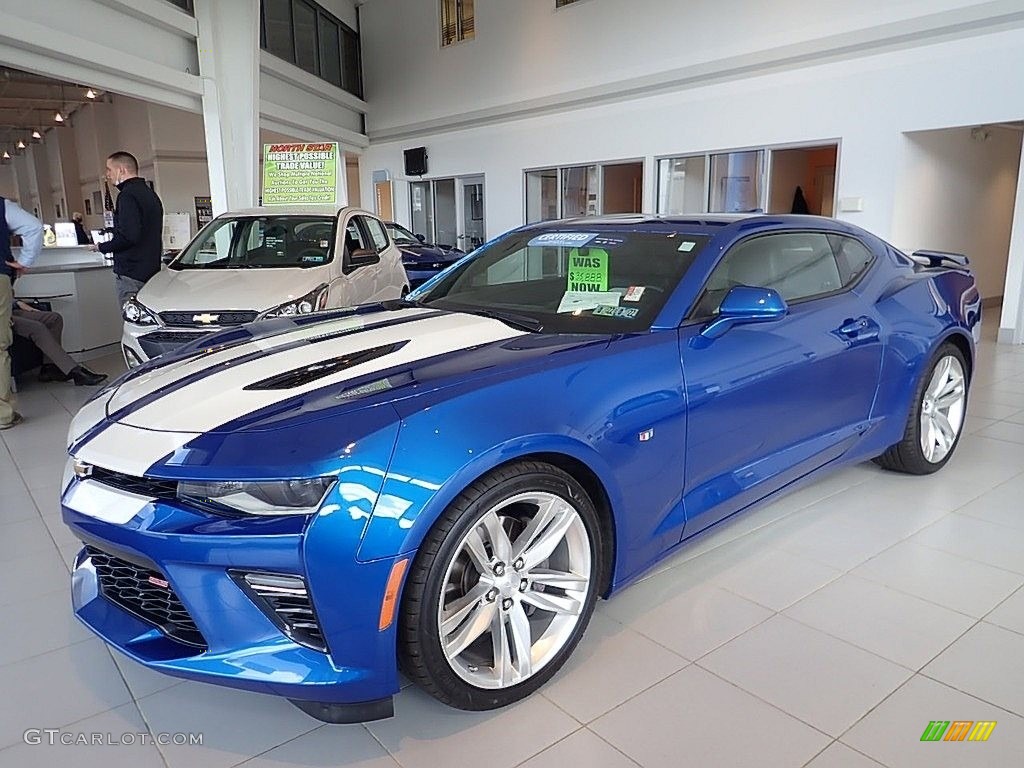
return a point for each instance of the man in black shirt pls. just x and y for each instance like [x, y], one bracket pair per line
[138, 227]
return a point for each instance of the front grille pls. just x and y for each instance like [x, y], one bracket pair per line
[285, 601]
[173, 337]
[145, 593]
[226, 317]
[144, 486]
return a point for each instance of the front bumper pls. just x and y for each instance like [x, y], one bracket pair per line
[198, 557]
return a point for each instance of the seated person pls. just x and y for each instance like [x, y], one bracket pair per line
[44, 329]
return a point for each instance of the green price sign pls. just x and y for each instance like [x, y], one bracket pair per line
[300, 173]
[589, 271]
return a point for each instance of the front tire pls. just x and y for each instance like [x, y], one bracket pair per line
[502, 588]
[936, 418]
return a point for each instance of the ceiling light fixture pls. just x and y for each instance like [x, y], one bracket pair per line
[90, 94]
[36, 136]
[58, 118]
[21, 144]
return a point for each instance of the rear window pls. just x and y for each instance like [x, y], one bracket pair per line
[261, 242]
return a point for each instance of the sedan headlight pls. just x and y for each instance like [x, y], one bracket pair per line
[275, 497]
[313, 301]
[135, 312]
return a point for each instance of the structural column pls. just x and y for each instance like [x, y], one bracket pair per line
[229, 64]
[1011, 324]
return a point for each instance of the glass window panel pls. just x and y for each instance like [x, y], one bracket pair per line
[351, 73]
[681, 185]
[422, 205]
[330, 51]
[736, 182]
[541, 195]
[277, 23]
[579, 191]
[306, 53]
[467, 20]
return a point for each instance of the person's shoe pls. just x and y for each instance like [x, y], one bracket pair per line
[50, 372]
[17, 419]
[83, 377]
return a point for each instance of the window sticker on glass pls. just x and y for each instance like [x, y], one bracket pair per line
[566, 239]
[686, 246]
[325, 243]
[605, 310]
[578, 301]
[635, 293]
[312, 259]
[588, 269]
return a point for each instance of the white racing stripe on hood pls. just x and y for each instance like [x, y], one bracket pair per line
[129, 450]
[220, 398]
[166, 375]
[91, 414]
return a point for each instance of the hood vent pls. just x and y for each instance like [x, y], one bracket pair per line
[323, 368]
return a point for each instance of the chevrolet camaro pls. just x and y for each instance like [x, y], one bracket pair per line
[446, 483]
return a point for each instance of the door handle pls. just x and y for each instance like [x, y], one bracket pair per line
[854, 327]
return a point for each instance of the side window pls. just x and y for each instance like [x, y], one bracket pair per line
[799, 265]
[355, 239]
[377, 233]
[852, 257]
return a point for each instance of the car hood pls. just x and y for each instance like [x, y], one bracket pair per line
[284, 371]
[429, 253]
[227, 289]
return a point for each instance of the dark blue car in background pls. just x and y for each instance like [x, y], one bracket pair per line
[450, 481]
[422, 260]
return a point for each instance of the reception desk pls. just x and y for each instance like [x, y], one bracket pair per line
[79, 284]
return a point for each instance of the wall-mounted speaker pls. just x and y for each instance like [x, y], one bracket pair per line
[416, 161]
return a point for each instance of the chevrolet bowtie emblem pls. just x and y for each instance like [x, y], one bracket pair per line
[205, 318]
[82, 470]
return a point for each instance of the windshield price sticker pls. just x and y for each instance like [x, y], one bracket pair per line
[589, 271]
[635, 293]
[579, 301]
[686, 246]
[566, 239]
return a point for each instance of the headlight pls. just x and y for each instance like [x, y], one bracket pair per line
[134, 312]
[313, 301]
[276, 497]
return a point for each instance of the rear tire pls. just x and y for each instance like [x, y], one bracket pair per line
[936, 418]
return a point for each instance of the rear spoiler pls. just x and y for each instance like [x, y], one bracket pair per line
[940, 258]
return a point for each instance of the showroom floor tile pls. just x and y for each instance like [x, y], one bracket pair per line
[823, 630]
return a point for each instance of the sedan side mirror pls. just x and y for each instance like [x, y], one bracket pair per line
[421, 238]
[744, 304]
[361, 257]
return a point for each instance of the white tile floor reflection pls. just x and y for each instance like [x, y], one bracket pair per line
[824, 630]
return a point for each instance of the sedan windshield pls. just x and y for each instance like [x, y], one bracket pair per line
[578, 281]
[261, 242]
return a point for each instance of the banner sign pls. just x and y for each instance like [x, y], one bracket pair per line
[300, 173]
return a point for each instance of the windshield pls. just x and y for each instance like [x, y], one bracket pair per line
[261, 242]
[574, 281]
[402, 236]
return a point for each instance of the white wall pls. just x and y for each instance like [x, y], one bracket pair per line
[535, 51]
[958, 195]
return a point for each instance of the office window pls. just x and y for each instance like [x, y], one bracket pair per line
[682, 186]
[185, 5]
[736, 182]
[457, 21]
[304, 19]
[560, 3]
[306, 35]
[330, 51]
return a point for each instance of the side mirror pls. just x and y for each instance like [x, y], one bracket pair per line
[743, 305]
[421, 238]
[361, 257]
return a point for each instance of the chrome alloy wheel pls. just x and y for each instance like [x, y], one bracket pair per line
[942, 409]
[514, 591]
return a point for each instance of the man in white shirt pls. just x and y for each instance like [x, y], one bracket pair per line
[13, 221]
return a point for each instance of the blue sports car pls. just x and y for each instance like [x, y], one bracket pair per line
[422, 260]
[447, 483]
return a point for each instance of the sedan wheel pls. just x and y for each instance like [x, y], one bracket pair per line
[503, 587]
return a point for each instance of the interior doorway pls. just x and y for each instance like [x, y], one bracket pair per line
[803, 180]
[449, 211]
[623, 188]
